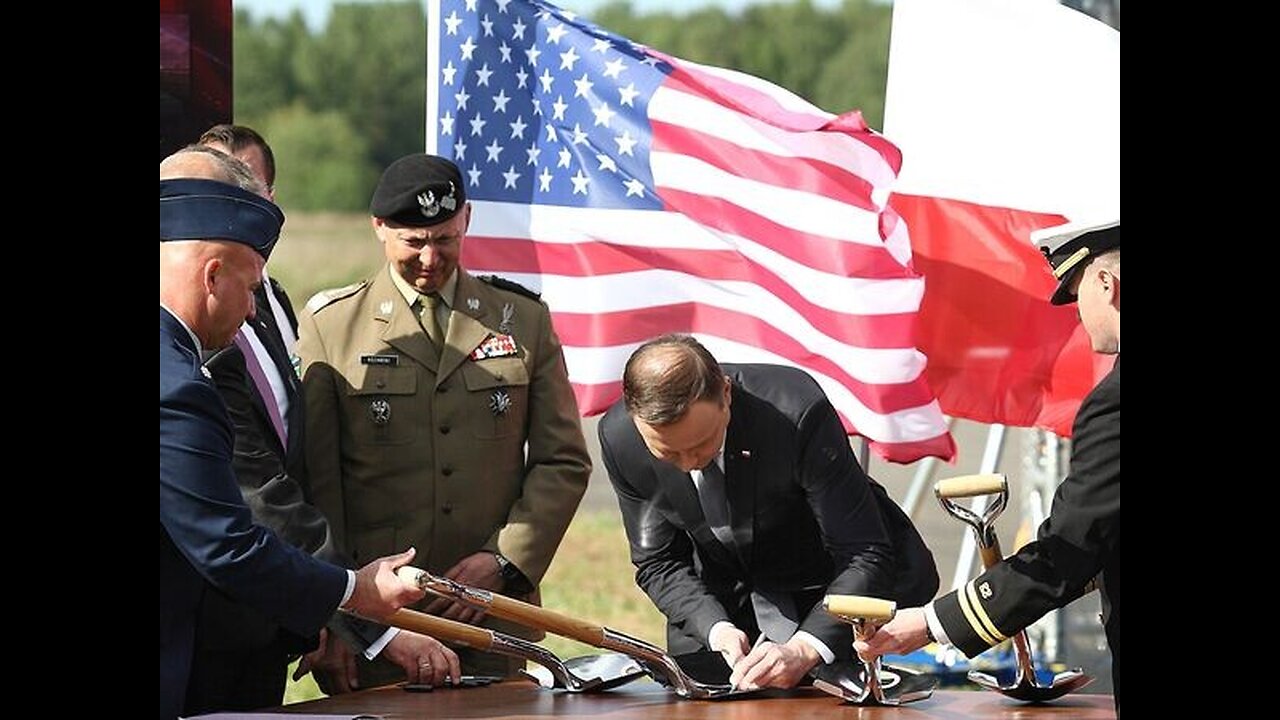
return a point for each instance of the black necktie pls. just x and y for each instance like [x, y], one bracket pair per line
[715, 503]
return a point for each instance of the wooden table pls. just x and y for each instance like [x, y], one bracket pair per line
[646, 700]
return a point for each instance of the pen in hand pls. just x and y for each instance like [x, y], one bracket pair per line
[760, 640]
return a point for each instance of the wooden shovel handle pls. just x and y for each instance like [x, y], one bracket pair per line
[970, 485]
[517, 611]
[442, 628]
[859, 607]
[547, 620]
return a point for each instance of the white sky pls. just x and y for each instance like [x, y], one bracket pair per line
[317, 11]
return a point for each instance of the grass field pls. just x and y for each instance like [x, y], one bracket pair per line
[591, 576]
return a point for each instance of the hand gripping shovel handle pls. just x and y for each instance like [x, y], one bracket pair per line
[488, 640]
[551, 621]
[1026, 686]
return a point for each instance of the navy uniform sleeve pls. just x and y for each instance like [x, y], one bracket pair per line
[1071, 546]
[203, 513]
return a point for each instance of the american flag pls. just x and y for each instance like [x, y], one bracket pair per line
[644, 194]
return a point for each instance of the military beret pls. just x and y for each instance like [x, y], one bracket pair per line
[419, 190]
[1068, 248]
[192, 209]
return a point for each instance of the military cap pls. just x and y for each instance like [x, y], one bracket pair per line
[419, 190]
[193, 209]
[1070, 247]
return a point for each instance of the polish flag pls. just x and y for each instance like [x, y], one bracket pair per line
[1007, 113]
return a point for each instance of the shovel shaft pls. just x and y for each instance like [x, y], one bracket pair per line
[442, 628]
[501, 606]
[547, 620]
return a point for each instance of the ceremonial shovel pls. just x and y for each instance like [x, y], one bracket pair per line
[1026, 686]
[581, 674]
[878, 686]
[661, 666]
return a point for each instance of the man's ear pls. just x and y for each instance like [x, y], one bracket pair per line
[209, 273]
[1109, 282]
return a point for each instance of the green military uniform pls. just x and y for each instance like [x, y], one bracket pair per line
[474, 447]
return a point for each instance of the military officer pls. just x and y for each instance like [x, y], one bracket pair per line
[1081, 538]
[439, 410]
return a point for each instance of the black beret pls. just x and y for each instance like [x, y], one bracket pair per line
[1070, 247]
[192, 209]
[419, 190]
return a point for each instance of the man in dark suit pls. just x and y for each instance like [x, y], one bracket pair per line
[744, 505]
[215, 236]
[1080, 540]
[241, 656]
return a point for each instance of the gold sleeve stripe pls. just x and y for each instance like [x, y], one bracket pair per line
[977, 616]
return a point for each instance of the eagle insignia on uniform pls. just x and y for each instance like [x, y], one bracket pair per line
[380, 411]
[508, 313]
[499, 402]
[495, 346]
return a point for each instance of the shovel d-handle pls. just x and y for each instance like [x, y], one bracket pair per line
[971, 486]
[501, 606]
[860, 608]
[976, 486]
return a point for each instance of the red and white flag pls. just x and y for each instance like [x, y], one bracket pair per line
[1008, 116]
[643, 194]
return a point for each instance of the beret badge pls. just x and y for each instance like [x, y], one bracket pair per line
[430, 206]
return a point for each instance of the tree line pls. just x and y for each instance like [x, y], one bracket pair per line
[340, 103]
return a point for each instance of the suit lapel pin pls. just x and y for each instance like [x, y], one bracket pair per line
[385, 307]
[508, 312]
[380, 411]
[745, 454]
[499, 402]
[473, 304]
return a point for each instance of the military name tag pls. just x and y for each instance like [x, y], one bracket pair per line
[495, 346]
[379, 359]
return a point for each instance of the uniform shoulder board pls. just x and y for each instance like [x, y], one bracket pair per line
[324, 297]
[515, 287]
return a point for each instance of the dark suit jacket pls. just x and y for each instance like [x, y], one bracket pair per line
[207, 535]
[806, 519]
[268, 474]
[1079, 540]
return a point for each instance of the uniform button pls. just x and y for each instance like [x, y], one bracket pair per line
[502, 377]
[447, 471]
[381, 384]
[442, 389]
[444, 430]
[446, 509]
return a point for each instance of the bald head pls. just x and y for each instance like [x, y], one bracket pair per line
[201, 162]
[209, 283]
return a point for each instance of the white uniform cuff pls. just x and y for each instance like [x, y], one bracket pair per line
[935, 626]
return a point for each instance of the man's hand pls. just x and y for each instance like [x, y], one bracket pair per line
[774, 665]
[379, 592]
[333, 665]
[423, 658]
[478, 570]
[730, 642]
[908, 631]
